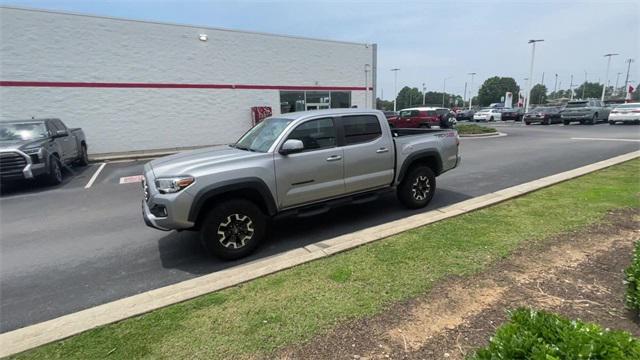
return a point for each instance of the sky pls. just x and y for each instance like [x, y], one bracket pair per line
[428, 40]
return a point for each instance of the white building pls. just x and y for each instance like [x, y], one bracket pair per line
[139, 86]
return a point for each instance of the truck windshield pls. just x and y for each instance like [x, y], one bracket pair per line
[22, 131]
[261, 137]
[577, 104]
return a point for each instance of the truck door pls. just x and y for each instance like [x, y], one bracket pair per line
[316, 173]
[67, 143]
[368, 156]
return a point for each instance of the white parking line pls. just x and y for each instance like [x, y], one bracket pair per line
[95, 175]
[607, 139]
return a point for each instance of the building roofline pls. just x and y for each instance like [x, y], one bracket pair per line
[71, 13]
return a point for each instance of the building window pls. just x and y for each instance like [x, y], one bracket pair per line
[340, 99]
[291, 101]
[320, 98]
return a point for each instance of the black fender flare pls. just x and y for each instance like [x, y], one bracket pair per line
[417, 156]
[220, 188]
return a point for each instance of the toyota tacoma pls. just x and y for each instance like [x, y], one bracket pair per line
[294, 164]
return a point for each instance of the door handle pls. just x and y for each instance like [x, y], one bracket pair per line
[334, 158]
[382, 150]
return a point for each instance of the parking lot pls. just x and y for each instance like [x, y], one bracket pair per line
[84, 243]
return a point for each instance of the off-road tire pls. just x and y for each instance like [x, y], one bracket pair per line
[54, 177]
[233, 229]
[417, 188]
[83, 159]
[566, 122]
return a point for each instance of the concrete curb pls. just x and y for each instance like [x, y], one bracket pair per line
[65, 326]
[485, 135]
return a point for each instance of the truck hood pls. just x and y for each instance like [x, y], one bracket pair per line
[9, 145]
[191, 162]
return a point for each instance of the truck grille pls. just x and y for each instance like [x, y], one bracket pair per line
[145, 189]
[11, 164]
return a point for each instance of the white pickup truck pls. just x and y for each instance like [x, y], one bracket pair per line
[299, 164]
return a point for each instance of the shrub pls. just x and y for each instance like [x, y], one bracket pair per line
[532, 334]
[632, 279]
[466, 129]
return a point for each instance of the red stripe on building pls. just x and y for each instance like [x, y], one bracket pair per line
[66, 84]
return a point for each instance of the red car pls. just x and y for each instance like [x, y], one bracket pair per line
[422, 117]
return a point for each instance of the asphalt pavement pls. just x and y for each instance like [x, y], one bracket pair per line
[81, 244]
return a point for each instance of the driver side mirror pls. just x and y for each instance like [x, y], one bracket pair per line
[60, 133]
[291, 146]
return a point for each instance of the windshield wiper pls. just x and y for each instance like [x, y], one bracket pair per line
[242, 148]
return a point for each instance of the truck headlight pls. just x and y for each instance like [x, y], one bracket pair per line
[36, 154]
[173, 185]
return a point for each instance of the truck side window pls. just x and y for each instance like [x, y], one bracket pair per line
[52, 126]
[59, 124]
[360, 128]
[315, 134]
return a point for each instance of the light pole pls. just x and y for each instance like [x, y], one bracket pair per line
[555, 87]
[626, 79]
[585, 83]
[527, 82]
[606, 79]
[471, 89]
[464, 97]
[444, 87]
[571, 86]
[424, 94]
[533, 54]
[615, 89]
[395, 87]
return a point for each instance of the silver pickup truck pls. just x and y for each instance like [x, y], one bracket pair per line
[587, 112]
[295, 164]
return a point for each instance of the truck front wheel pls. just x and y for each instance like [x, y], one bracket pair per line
[417, 188]
[233, 229]
[54, 177]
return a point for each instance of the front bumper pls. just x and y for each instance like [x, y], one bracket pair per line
[623, 119]
[576, 117]
[174, 208]
[23, 166]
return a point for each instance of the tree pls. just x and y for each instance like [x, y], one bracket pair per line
[494, 88]
[408, 97]
[384, 104]
[591, 90]
[538, 94]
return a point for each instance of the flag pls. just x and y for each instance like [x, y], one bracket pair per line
[629, 91]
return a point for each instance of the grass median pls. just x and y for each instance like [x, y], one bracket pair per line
[473, 129]
[289, 307]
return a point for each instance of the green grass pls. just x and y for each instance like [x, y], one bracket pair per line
[292, 306]
[531, 334]
[468, 129]
[632, 279]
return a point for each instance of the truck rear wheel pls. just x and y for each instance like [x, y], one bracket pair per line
[417, 188]
[233, 229]
[83, 159]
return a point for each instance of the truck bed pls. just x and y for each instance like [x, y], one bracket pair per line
[398, 132]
